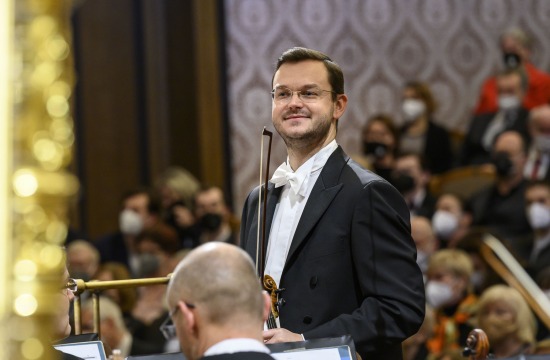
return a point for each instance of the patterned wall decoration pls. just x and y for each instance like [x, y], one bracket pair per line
[380, 44]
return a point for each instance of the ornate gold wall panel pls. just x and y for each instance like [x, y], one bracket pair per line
[37, 141]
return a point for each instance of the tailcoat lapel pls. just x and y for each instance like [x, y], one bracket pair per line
[324, 191]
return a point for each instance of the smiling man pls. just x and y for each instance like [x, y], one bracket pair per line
[339, 240]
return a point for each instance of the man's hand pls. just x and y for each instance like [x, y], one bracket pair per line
[280, 335]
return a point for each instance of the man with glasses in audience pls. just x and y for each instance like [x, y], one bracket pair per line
[217, 306]
[339, 240]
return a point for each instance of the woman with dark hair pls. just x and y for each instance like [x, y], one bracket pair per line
[419, 133]
[380, 138]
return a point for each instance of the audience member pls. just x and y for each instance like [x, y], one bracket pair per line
[484, 128]
[497, 206]
[507, 320]
[515, 46]
[411, 178]
[217, 305]
[157, 248]
[214, 219]
[538, 158]
[380, 139]
[140, 211]
[537, 201]
[419, 133]
[425, 241]
[448, 291]
[483, 276]
[82, 260]
[451, 221]
[113, 329]
[125, 298]
[177, 188]
[61, 325]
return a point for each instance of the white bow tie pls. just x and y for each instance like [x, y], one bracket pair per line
[284, 175]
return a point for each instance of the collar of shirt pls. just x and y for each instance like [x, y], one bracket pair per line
[231, 346]
[299, 179]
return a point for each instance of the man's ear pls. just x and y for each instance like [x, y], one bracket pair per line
[267, 304]
[340, 106]
[189, 320]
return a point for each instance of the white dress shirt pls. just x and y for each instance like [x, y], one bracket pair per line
[231, 346]
[289, 210]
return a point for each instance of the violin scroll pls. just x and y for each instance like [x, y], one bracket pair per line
[477, 345]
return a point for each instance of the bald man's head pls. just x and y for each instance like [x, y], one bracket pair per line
[220, 280]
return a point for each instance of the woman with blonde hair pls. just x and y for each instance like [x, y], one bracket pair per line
[509, 323]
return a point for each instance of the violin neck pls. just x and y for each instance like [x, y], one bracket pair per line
[271, 322]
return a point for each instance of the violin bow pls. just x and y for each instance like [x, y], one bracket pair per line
[262, 217]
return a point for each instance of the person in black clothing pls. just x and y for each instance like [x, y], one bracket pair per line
[500, 207]
[419, 133]
[217, 305]
[485, 128]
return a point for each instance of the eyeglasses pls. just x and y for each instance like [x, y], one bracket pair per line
[70, 286]
[167, 328]
[283, 95]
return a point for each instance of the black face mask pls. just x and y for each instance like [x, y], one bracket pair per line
[503, 164]
[404, 183]
[378, 150]
[511, 60]
[210, 222]
[148, 265]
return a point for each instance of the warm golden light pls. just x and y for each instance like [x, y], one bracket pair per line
[32, 348]
[25, 305]
[25, 270]
[25, 183]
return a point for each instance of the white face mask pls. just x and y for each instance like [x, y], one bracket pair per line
[412, 109]
[542, 142]
[422, 260]
[130, 223]
[538, 216]
[444, 224]
[438, 294]
[507, 102]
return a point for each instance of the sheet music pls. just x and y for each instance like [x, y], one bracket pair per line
[90, 350]
[312, 354]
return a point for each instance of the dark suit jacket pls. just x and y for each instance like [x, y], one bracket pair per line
[473, 152]
[351, 266]
[113, 248]
[438, 151]
[240, 356]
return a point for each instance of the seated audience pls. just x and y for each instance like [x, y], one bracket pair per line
[538, 158]
[125, 298]
[379, 141]
[82, 260]
[497, 207]
[507, 320]
[451, 221]
[537, 201]
[420, 134]
[425, 241]
[214, 219]
[515, 46]
[177, 188]
[484, 128]
[140, 211]
[449, 292]
[113, 329]
[410, 177]
[483, 276]
[217, 305]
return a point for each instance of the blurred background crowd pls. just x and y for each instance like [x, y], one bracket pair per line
[494, 178]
